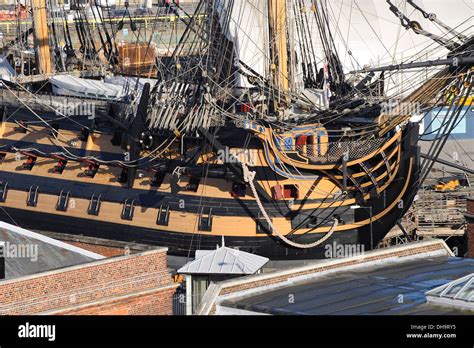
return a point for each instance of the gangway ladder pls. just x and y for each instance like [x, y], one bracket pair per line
[32, 198]
[63, 201]
[163, 217]
[128, 208]
[205, 221]
[3, 191]
[94, 205]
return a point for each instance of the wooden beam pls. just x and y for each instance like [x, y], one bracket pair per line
[40, 23]
[277, 21]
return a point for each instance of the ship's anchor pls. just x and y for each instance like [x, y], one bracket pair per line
[249, 177]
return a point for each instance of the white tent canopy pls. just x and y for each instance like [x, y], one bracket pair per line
[6, 70]
[79, 87]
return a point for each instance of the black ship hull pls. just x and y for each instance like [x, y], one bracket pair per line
[270, 246]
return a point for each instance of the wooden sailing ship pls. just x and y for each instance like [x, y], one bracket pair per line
[218, 147]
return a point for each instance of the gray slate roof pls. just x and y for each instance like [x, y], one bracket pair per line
[224, 260]
[397, 288]
[50, 253]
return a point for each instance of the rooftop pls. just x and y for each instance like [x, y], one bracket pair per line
[224, 260]
[28, 253]
[395, 288]
[457, 294]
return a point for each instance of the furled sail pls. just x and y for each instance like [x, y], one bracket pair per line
[248, 30]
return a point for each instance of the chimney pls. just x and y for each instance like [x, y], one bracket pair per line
[2, 260]
[470, 226]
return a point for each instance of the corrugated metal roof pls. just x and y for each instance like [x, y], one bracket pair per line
[381, 289]
[224, 260]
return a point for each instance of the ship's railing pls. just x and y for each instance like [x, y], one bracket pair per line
[179, 302]
[333, 152]
[186, 304]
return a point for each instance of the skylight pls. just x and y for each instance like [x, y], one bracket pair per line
[457, 293]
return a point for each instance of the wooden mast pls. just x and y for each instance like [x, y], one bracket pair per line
[40, 24]
[277, 21]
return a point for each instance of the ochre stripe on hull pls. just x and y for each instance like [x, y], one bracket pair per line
[179, 221]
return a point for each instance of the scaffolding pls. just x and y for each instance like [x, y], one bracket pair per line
[432, 215]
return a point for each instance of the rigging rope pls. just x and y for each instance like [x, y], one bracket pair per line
[249, 178]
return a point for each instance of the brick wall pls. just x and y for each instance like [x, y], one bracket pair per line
[470, 238]
[106, 251]
[105, 247]
[470, 205]
[101, 282]
[155, 302]
[470, 227]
